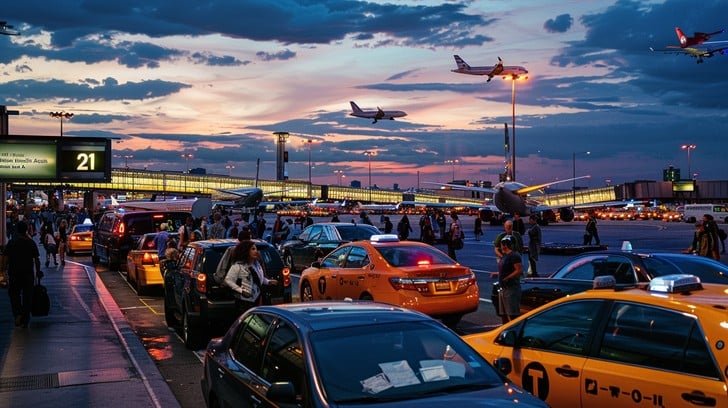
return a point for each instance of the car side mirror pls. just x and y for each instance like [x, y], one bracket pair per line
[507, 338]
[316, 264]
[503, 365]
[281, 393]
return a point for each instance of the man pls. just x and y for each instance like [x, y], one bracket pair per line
[217, 230]
[510, 270]
[21, 258]
[534, 244]
[507, 231]
[161, 240]
[711, 227]
[702, 241]
[278, 225]
[591, 231]
[518, 225]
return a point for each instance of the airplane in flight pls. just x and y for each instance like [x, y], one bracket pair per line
[7, 29]
[498, 69]
[696, 46]
[375, 114]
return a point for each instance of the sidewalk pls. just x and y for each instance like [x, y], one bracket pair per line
[83, 354]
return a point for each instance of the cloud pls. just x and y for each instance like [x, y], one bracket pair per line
[403, 74]
[281, 55]
[560, 24]
[213, 60]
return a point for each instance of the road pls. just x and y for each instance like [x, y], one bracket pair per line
[182, 368]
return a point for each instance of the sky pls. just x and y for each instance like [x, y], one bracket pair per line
[215, 79]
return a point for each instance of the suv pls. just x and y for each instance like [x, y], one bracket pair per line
[317, 240]
[194, 302]
[117, 232]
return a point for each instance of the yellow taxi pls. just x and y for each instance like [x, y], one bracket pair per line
[409, 274]
[662, 345]
[80, 238]
[142, 263]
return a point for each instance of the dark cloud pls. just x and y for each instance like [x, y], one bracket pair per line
[213, 60]
[561, 24]
[280, 55]
[403, 74]
[96, 118]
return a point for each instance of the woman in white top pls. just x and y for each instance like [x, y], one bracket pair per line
[246, 275]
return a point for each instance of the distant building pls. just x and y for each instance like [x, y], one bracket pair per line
[355, 183]
[395, 187]
[198, 170]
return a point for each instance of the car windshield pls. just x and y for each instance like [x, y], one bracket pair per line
[356, 232]
[708, 270]
[402, 361]
[411, 255]
[83, 228]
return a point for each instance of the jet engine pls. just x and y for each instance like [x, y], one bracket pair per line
[566, 214]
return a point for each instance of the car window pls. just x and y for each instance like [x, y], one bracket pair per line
[660, 267]
[621, 268]
[82, 228]
[357, 258]
[139, 224]
[562, 329]
[708, 270]
[410, 255]
[658, 338]
[247, 348]
[303, 236]
[188, 256]
[356, 232]
[580, 268]
[107, 222]
[147, 242]
[316, 233]
[284, 358]
[212, 258]
[271, 259]
[336, 258]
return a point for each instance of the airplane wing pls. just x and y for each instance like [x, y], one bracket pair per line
[528, 189]
[465, 188]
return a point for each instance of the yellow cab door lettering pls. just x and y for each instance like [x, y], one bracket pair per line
[329, 284]
[352, 279]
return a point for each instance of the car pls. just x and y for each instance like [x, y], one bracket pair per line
[628, 267]
[142, 263]
[117, 232]
[195, 304]
[409, 274]
[80, 238]
[337, 354]
[317, 240]
[660, 345]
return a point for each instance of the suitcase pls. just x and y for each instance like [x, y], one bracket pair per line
[41, 301]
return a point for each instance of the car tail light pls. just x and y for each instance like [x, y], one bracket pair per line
[74, 238]
[286, 277]
[423, 262]
[201, 283]
[149, 259]
[466, 281]
[409, 284]
[120, 229]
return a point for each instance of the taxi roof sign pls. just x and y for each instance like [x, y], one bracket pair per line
[675, 283]
[384, 238]
[604, 282]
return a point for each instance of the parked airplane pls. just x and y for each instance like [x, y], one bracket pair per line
[496, 70]
[7, 29]
[329, 206]
[375, 114]
[377, 207]
[697, 46]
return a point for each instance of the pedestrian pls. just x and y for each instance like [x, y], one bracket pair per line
[518, 225]
[591, 231]
[442, 225]
[510, 270]
[160, 241]
[364, 218]
[711, 227]
[186, 233]
[722, 236]
[204, 228]
[534, 244]
[455, 236]
[277, 231]
[246, 276]
[427, 235]
[260, 226]
[217, 230]
[22, 259]
[702, 242]
[335, 218]
[48, 239]
[62, 240]
[507, 231]
[388, 226]
[478, 230]
[307, 221]
[404, 228]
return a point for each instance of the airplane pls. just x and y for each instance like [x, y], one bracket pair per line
[689, 45]
[377, 207]
[497, 70]
[330, 206]
[375, 114]
[7, 29]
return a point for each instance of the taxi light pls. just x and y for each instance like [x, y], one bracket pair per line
[626, 246]
[201, 283]
[604, 282]
[286, 277]
[384, 238]
[423, 262]
[409, 284]
[157, 216]
[675, 283]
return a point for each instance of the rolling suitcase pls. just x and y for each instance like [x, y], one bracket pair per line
[41, 301]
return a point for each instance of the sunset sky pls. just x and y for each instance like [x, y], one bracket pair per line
[216, 78]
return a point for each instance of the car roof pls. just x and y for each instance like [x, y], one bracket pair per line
[211, 243]
[315, 316]
[344, 224]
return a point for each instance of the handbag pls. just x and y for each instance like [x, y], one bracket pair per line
[458, 243]
[41, 301]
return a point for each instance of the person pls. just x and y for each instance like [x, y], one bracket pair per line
[246, 276]
[277, 231]
[335, 218]
[388, 226]
[711, 227]
[22, 259]
[161, 240]
[507, 231]
[364, 218]
[510, 270]
[260, 226]
[217, 230]
[50, 244]
[722, 236]
[478, 229]
[591, 231]
[442, 225]
[518, 225]
[307, 221]
[404, 228]
[204, 233]
[62, 240]
[186, 233]
[427, 234]
[534, 244]
[702, 242]
[454, 235]
[169, 262]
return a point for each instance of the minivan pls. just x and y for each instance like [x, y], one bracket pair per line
[117, 232]
[695, 212]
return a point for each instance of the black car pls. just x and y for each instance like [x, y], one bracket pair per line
[196, 304]
[317, 240]
[628, 268]
[349, 354]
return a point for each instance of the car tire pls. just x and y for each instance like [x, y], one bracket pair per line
[113, 265]
[191, 333]
[306, 292]
[288, 261]
[169, 316]
[452, 320]
[94, 257]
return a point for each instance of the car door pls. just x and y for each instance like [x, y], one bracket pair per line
[102, 236]
[283, 361]
[353, 279]
[653, 357]
[550, 351]
[326, 281]
[182, 276]
[307, 252]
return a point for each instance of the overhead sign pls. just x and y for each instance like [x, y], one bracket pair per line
[43, 158]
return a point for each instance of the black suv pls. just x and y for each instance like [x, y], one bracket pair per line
[196, 304]
[118, 232]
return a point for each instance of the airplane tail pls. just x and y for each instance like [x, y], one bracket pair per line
[681, 36]
[461, 63]
[355, 108]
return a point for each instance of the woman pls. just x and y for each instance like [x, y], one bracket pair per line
[454, 236]
[62, 240]
[246, 276]
[404, 228]
[49, 243]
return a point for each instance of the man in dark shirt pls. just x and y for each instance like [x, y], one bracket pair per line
[21, 256]
[510, 270]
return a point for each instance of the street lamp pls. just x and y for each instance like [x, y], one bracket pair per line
[187, 157]
[229, 168]
[369, 154]
[309, 141]
[452, 163]
[340, 175]
[61, 115]
[573, 180]
[514, 78]
[688, 147]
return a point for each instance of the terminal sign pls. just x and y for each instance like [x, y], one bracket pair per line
[31, 159]
[84, 159]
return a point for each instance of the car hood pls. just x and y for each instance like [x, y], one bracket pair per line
[493, 397]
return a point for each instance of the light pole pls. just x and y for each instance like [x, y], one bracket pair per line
[452, 163]
[340, 175]
[126, 160]
[187, 157]
[229, 168]
[573, 180]
[309, 167]
[369, 154]
[688, 147]
[514, 78]
[61, 115]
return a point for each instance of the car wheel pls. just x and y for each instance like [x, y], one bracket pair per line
[169, 311]
[94, 257]
[111, 263]
[190, 333]
[452, 320]
[288, 260]
[306, 292]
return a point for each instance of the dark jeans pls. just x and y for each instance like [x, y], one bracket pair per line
[20, 290]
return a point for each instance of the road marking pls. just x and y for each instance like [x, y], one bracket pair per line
[485, 300]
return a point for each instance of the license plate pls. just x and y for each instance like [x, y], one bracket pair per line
[442, 286]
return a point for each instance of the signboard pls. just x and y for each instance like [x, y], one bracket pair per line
[43, 158]
[683, 185]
